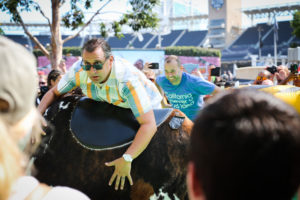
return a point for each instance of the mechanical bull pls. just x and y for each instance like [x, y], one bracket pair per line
[83, 134]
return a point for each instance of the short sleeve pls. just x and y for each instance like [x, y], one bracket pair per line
[137, 97]
[68, 81]
[202, 86]
[159, 80]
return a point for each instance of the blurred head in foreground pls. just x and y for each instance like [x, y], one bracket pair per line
[245, 144]
[18, 115]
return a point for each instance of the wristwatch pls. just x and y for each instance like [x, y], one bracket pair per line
[127, 157]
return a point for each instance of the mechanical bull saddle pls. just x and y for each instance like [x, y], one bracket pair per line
[118, 124]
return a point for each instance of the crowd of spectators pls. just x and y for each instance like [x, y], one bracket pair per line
[280, 75]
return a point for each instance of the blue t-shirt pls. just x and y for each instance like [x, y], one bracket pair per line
[188, 95]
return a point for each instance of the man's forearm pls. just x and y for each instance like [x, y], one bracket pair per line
[48, 98]
[141, 140]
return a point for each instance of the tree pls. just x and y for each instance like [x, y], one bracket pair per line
[295, 24]
[1, 31]
[141, 16]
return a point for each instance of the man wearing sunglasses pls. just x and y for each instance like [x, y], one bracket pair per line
[105, 78]
[263, 78]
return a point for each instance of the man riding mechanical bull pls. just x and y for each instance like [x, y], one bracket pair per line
[104, 78]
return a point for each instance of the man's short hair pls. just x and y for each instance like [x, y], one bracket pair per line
[171, 58]
[94, 43]
[18, 80]
[245, 145]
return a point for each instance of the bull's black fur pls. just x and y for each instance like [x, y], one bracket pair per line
[62, 161]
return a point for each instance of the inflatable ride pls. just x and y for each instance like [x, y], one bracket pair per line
[288, 93]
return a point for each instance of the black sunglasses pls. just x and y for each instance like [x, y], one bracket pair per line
[42, 83]
[96, 65]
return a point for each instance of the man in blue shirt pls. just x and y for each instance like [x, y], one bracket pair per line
[184, 91]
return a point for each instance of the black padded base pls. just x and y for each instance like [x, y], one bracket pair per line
[99, 125]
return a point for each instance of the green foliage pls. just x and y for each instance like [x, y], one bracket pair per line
[117, 28]
[295, 24]
[294, 45]
[179, 51]
[37, 53]
[140, 17]
[73, 19]
[1, 31]
[13, 7]
[103, 30]
[74, 51]
[192, 51]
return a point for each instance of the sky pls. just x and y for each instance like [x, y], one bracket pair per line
[118, 6]
[110, 11]
[115, 8]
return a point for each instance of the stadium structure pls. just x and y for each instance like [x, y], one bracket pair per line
[181, 23]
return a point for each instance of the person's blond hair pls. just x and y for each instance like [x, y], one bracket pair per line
[13, 161]
[10, 162]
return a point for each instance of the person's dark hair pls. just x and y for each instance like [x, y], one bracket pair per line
[294, 68]
[53, 75]
[169, 59]
[245, 144]
[272, 69]
[94, 43]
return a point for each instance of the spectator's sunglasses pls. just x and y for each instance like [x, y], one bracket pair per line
[259, 78]
[97, 65]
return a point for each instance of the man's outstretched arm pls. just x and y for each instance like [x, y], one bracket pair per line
[48, 98]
